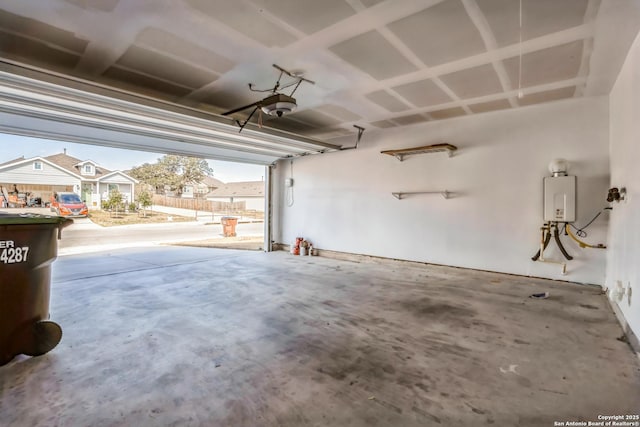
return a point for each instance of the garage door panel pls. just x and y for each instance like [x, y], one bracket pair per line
[45, 108]
[49, 129]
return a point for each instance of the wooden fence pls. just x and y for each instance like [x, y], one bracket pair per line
[199, 204]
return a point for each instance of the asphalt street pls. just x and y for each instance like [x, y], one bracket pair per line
[84, 236]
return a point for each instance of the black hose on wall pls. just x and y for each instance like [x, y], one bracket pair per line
[556, 235]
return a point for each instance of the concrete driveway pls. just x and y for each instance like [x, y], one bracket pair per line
[40, 211]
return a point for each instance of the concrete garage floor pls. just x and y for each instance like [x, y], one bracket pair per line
[207, 337]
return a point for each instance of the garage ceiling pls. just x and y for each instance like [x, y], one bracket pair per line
[377, 64]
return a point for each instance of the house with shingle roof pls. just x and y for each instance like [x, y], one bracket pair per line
[43, 176]
[250, 192]
[200, 189]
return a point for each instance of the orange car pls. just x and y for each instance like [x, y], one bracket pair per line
[68, 204]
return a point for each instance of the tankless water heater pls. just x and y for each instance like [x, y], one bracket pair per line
[560, 198]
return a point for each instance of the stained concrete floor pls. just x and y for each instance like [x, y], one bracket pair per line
[208, 337]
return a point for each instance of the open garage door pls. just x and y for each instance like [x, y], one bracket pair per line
[43, 104]
[38, 104]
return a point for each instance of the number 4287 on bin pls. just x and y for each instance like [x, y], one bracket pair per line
[10, 254]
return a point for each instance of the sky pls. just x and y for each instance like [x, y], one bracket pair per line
[13, 146]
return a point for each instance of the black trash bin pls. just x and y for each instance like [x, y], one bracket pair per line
[28, 247]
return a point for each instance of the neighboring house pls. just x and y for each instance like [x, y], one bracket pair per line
[42, 176]
[207, 185]
[251, 192]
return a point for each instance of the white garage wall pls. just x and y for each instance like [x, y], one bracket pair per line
[342, 201]
[624, 254]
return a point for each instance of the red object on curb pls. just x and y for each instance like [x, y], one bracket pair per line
[229, 226]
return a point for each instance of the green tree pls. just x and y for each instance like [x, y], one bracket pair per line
[145, 199]
[173, 172]
[115, 200]
[152, 174]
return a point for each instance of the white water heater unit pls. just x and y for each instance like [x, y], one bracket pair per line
[560, 198]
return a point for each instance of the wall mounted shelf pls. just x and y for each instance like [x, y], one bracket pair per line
[399, 195]
[435, 148]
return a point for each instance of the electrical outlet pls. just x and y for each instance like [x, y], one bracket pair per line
[288, 182]
[618, 293]
[629, 293]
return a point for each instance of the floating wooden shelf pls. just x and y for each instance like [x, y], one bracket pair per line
[399, 196]
[400, 154]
